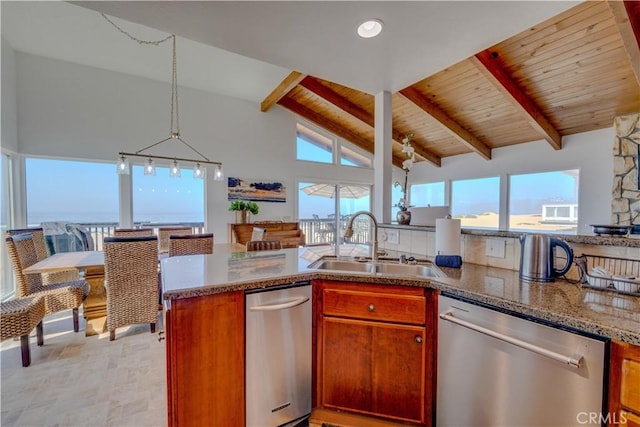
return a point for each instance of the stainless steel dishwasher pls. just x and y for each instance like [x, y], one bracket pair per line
[278, 355]
[497, 369]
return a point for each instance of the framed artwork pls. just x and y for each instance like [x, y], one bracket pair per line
[256, 190]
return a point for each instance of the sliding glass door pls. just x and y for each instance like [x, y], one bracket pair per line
[324, 209]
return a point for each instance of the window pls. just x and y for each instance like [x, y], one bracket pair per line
[161, 199]
[476, 202]
[396, 195]
[546, 201]
[312, 146]
[7, 286]
[73, 191]
[350, 157]
[320, 217]
[431, 194]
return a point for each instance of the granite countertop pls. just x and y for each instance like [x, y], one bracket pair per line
[604, 313]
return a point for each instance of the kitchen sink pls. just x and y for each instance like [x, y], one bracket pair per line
[334, 264]
[421, 270]
[409, 270]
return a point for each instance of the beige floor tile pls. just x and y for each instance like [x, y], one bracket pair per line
[75, 380]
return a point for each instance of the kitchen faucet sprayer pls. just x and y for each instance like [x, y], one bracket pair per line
[349, 231]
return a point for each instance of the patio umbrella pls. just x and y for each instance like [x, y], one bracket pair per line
[329, 190]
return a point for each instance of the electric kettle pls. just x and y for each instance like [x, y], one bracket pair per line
[537, 257]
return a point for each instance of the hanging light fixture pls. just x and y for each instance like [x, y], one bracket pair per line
[150, 168]
[174, 132]
[123, 165]
[174, 172]
[198, 171]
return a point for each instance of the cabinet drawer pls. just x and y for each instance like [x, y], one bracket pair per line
[375, 306]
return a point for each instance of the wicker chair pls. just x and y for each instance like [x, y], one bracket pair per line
[165, 232]
[263, 245]
[132, 232]
[190, 244]
[131, 281]
[18, 317]
[42, 253]
[67, 295]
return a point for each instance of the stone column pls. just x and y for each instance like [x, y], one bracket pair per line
[625, 194]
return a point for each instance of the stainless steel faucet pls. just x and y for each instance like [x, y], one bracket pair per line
[349, 231]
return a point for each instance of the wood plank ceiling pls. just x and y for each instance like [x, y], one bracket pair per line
[570, 74]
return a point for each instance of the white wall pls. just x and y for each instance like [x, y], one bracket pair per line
[73, 111]
[590, 152]
[8, 95]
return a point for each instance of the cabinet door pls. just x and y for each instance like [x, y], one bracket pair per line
[624, 384]
[374, 368]
[205, 358]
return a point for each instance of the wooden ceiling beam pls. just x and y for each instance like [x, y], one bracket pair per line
[488, 65]
[453, 127]
[332, 126]
[314, 85]
[285, 86]
[627, 18]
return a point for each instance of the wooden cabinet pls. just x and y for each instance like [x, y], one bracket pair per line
[376, 350]
[624, 385]
[205, 360]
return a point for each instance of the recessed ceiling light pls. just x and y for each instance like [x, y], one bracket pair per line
[370, 28]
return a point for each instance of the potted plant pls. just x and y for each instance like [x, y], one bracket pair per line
[404, 215]
[243, 209]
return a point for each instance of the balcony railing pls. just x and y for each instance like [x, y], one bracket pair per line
[316, 231]
[323, 231]
[101, 230]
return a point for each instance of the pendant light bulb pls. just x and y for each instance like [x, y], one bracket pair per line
[218, 175]
[150, 168]
[175, 170]
[123, 166]
[198, 171]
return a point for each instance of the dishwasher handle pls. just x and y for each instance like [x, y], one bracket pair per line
[575, 361]
[280, 306]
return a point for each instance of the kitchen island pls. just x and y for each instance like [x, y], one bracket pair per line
[204, 298]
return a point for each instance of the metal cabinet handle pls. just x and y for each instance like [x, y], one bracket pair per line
[575, 361]
[161, 336]
[418, 339]
[281, 306]
[372, 307]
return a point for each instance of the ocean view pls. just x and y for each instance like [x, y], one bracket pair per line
[112, 217]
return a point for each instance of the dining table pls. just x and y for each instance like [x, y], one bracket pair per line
[90, 264]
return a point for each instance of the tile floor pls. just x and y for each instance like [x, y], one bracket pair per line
[75, 380]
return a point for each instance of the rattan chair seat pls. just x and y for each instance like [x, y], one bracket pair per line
[41, 252]
[165, 232]
[132, 232]
[18, 317]
[60, 296]
[131, 281]
[190, 244]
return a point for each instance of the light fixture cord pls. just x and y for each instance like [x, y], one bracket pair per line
[174, 133]
[175, 118]
[174, 93]
[153, 42]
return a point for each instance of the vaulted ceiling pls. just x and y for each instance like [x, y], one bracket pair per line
[572, 73]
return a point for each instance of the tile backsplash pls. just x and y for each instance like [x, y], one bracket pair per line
[474, 247]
